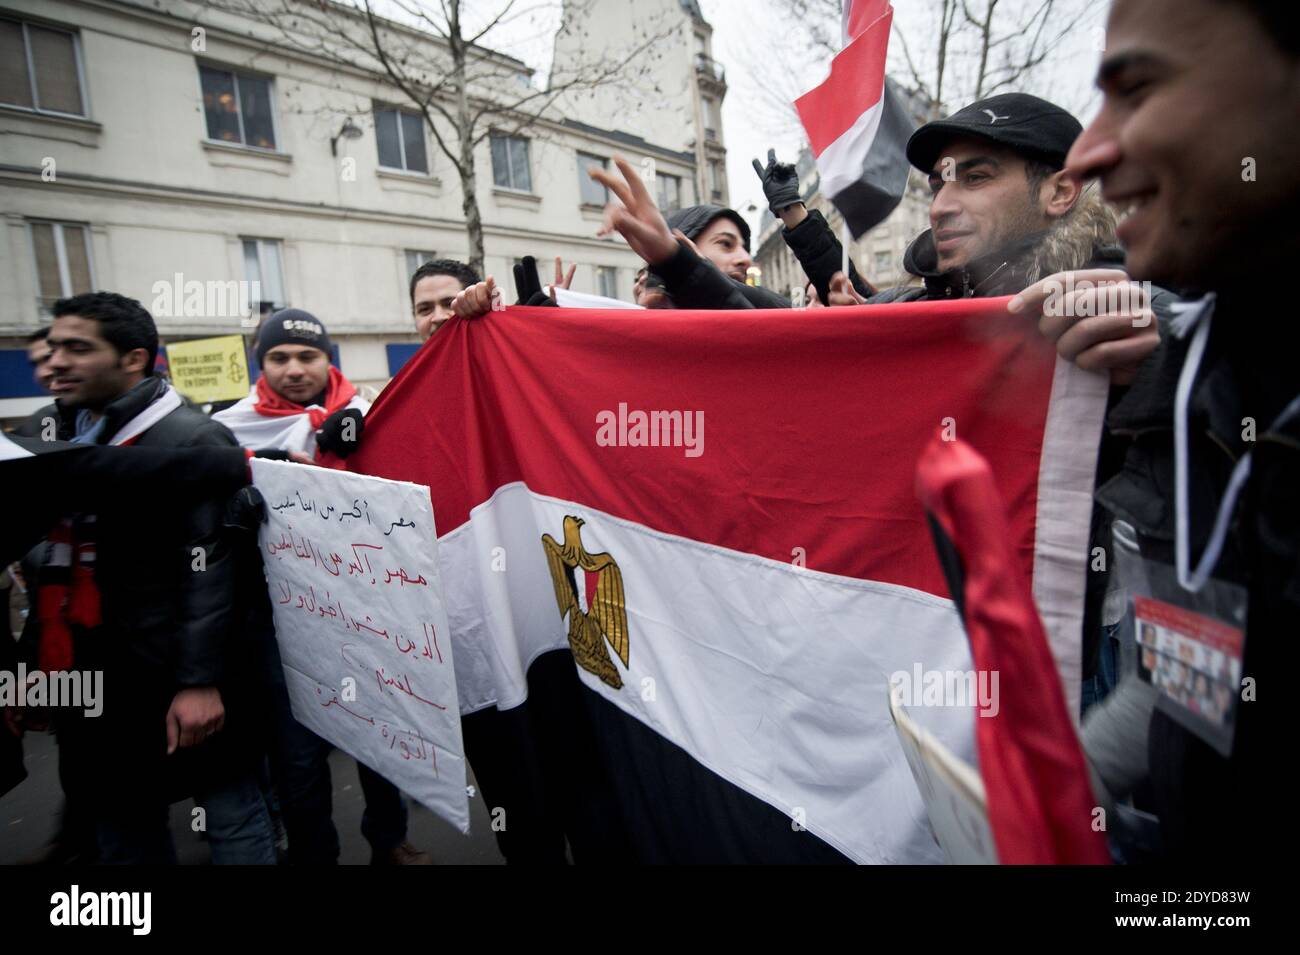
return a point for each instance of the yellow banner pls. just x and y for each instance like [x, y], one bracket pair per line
[209, 369]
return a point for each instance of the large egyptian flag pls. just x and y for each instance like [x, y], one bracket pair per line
[856, 126]
[707, 524]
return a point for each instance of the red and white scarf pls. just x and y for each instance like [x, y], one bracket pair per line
[68, 593]
[265, 419]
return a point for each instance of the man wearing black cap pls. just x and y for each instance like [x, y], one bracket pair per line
[1004, 215]
[1003, 212]
[301, 402]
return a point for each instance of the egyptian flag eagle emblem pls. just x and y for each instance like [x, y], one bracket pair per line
[605, 615]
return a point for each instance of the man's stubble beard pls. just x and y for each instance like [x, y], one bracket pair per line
[1027, 220]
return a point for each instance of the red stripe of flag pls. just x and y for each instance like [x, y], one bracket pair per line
[812, 424]
[860, 14]
[855, 85]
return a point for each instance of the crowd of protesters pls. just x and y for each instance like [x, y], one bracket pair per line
[1150, 199]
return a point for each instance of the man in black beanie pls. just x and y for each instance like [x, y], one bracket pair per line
[301, 402]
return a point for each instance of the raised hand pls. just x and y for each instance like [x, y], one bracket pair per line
[637, 219]
[780, 182]
[562, 280]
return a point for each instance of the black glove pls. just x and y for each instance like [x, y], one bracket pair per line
[528, 285]
[527, 282]
[337, 437]
[780, 183]
[246, 510]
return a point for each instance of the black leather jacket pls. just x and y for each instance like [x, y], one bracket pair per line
[1211, 807]
[814, 244]
[696, 283]
[168, 621]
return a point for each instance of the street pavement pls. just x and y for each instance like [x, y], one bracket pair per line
[29, 817]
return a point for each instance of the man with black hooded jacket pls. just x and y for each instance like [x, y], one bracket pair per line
[721, 237]
[695, 276]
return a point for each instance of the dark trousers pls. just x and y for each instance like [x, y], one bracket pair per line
[235, 818]
[300, 770]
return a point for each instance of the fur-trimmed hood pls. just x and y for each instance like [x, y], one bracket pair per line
[1084, 237]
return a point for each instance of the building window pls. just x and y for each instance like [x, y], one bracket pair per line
[711, 122]
[238, 107]
[264, 273]
[40, 69]
[415, 258]
[61, 251]
[401, 140]
[882, 262]
[670, 192]
[607, 281]
[715, 178]
[592, 192]
[510, 163]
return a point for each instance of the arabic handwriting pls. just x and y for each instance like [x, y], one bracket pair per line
[429, 631]
[402, 683]
[334, 701]
[411, 743]
[404, 577]
[400, 522]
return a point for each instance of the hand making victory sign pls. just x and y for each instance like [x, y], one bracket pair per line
[638, 219]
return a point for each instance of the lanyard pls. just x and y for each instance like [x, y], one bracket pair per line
[1194, 580]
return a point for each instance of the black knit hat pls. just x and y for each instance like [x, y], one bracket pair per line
[292, 326]
[1024, 124]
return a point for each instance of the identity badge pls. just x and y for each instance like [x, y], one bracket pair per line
[1194, 661]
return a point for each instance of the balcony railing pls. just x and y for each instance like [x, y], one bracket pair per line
[707, 66]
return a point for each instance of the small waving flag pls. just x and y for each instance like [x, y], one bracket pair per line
[856, 125]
